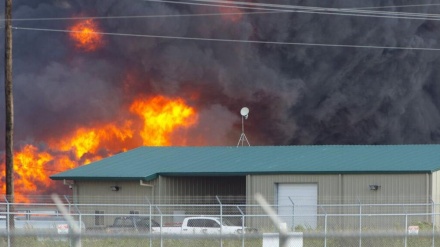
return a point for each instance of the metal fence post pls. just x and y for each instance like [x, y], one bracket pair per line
[242, 226]
[433, 221]
[293, 214]
[67, 200]
[161, 224]
[149, 204]
[325, 226]
[221, 221]
[7, 221]
[325, 230]
[76, 232]
[406, 227]
[360, 223]
[78, 212]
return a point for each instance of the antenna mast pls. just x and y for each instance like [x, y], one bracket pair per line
[244, 115]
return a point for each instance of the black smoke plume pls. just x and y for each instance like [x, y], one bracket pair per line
[297, 94]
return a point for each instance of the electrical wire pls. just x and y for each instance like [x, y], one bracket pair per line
[235, 40]
[266, 11]
[326, 11]
[321, 10]
[289, 7]
[401, 6]
[141, 16]
[274, 8]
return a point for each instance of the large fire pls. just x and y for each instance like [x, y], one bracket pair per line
[152, 123]
[161, 117]
[86, 35]
[89, 140]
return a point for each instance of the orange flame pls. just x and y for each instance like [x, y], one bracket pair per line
[86, 35]
[85, 140]
[29, 165]
[160, 118]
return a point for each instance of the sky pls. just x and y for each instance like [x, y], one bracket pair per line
[353, 73]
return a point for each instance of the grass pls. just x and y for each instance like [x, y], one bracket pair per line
[307, 242]
[132, 242]
[388, 241]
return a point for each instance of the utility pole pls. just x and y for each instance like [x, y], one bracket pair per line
[9, 116]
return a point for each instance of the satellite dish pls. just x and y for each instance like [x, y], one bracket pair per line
[244, 112]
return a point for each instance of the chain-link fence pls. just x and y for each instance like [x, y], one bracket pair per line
[216, 222]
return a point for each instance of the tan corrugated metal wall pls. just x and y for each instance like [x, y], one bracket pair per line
[193, 186]
[394, 188]
[351, 189]
[332, 189]
[436, 186]
[92, 192]
[101, 195]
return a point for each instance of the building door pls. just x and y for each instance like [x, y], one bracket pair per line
[297, 204]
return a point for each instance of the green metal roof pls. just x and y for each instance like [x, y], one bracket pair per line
[146, 163]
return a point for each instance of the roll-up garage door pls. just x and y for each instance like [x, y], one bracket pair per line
[297, 204]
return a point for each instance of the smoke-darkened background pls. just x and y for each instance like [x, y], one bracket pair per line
[297, 94]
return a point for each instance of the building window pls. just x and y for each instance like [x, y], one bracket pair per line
[134, 212]
[99, 218]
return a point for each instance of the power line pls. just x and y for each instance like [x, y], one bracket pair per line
[359, 12]
[141, 16]
[328, 11]
[235, 40]
[267, 10]
[157, 16]
[336, 11]
[401, 6]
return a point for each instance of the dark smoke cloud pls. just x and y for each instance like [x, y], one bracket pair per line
[296, 94]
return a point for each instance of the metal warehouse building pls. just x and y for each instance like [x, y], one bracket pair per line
[285, 175]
